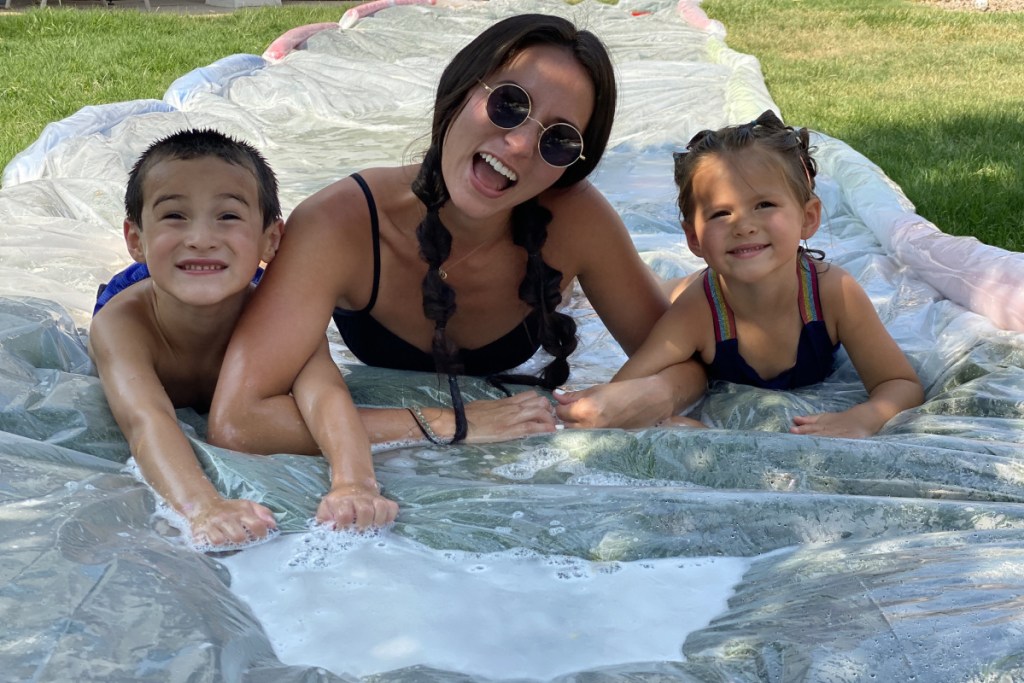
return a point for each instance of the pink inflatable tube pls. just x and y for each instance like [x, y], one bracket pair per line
[692, 14]
[350, 17]
[294, 39]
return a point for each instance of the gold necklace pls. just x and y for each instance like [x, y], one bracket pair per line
[443, 274]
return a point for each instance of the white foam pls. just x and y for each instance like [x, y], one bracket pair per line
[363, 604]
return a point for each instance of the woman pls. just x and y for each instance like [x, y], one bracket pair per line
[457, 263]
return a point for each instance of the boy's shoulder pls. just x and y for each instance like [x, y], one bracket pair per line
[125, 320]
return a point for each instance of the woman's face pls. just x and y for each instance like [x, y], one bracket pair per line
[489, 170]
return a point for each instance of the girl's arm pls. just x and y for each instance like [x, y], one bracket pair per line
[324, 401]
[891, 382]
[122, 353]
[629, 300]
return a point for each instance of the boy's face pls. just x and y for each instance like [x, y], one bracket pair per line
[202, 231]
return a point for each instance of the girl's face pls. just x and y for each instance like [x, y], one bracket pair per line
[489, 169]
[747, 223]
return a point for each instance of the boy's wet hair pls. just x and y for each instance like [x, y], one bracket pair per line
[790, 149]
[198, 143]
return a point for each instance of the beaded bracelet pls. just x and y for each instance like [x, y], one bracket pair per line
[427, 430]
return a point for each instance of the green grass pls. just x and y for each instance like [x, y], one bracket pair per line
[936, 98]
[56, 61]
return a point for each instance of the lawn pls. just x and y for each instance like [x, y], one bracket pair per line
[932, 96]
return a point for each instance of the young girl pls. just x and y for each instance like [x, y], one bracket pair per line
[768, 312]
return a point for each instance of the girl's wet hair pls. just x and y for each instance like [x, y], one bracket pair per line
[198, 143]
[790, 147]
[540, 288]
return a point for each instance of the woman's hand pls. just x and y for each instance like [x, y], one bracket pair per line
[351, 505]
[523, 414]
[492, 420]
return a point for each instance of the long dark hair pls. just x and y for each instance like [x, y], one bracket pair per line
[540, 287]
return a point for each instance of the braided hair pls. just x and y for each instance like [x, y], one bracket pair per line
[540, 287]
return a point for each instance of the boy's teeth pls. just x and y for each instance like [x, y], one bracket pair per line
[500, 167]
[202, 267]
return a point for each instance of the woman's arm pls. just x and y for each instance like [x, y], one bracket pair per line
[282, 325]
[323, 399]
[324, 258]
[890, 380]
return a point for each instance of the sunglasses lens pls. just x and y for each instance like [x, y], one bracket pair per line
[561, 145]
[508, 106]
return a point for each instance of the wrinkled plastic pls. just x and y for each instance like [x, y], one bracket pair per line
[902, 554]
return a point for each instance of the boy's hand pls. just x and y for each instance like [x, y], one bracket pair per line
[225, 521]
[351, 505]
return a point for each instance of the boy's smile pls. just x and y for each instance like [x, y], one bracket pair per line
[202, 234]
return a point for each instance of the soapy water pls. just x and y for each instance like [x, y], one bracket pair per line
[361, 604]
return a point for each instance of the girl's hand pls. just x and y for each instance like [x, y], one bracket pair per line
[628, 404]
[228, 521]
[352, 505]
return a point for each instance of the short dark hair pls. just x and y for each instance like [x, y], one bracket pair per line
[198, 143]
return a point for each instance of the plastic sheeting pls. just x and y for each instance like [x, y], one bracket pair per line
[900, 556]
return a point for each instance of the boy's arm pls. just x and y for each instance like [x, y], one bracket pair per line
[326, 405]
[890, 380]
[122, 353]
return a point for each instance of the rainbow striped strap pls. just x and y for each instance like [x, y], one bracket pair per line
[725, 323]
[810, 300]
[807, 295]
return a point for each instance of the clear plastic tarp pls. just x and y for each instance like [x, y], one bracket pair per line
[899, 557]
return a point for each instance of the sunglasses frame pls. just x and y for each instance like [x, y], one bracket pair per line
[543, 129]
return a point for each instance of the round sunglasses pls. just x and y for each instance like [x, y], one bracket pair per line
[509, 106]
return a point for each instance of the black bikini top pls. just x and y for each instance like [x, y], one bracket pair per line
[376, 345]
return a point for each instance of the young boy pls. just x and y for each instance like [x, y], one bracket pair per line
[202, 213]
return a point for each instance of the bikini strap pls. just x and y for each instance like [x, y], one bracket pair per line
[375, 233]
[809, 298]
[725, 323]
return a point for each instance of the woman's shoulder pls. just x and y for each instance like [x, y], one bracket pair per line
[345, 204]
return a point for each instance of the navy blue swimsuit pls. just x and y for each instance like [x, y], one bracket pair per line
[376, 345]
[815, 357]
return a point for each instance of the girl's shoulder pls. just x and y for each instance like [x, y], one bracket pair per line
[690, 301]
[842, 296]
[833, 279]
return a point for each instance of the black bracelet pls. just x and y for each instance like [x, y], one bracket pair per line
[427, 430]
